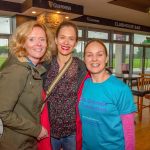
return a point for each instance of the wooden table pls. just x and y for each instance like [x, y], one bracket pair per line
[128, 78]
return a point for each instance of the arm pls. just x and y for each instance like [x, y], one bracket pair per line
[129, 131]
[126, 107]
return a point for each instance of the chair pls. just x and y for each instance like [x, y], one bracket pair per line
[143, 93]
[144, 75]
[146, 85]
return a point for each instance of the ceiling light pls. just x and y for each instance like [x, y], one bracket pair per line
[67, 17]
[33, 12]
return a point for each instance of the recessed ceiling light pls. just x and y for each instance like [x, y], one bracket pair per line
[33, 12]
[67, 17]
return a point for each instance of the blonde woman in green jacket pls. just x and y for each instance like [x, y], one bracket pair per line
[21, 85]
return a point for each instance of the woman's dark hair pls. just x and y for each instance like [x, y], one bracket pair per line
[67, 24]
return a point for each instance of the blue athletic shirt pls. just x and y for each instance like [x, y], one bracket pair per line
[100, 108]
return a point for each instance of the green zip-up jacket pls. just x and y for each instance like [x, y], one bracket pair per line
[20, 105]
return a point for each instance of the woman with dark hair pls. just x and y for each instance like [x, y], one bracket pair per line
[60, 114]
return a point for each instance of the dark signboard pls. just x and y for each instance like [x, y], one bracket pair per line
[46, 4]
[58, 5]
[109, 22]
[10, 6]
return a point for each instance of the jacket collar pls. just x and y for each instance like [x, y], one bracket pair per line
[36, 71]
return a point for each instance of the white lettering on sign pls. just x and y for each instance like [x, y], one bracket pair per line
[126, 25]
[93, 20]
[58, 6]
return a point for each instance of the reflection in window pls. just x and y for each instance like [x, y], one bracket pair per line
[121, 37]
[98, 35]
[5, 25]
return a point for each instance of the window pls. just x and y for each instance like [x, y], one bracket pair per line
[80, 33]
[147, 59]
[121, 37]
[141, 39]
[98, 35]
[137, 60]
[79, 49]
[121, 54]
[3, 50]
[5, 31]
[5, 25]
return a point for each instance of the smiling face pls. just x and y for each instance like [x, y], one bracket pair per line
[66, 40]
[36, 44]
[95, 57]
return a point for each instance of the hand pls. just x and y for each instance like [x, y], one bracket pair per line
[43, 134]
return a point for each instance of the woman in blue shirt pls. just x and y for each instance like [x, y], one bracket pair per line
[106, 105]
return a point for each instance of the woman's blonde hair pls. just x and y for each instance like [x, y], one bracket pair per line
[18, 39]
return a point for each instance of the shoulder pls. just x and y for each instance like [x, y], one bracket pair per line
[117, 84]
[12, 64]
[15, 71]
[19, 67]
[116, 80]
